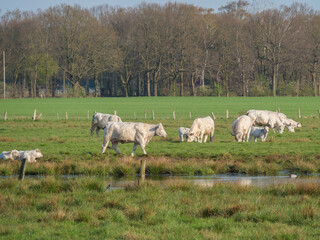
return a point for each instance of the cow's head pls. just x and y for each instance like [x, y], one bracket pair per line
[290, 128]
[160, 131]
[38, 153]
[192, 137]
[280, 129]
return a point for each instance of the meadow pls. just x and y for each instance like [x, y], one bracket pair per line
[68, 147]
[55, 206]
[82, 208]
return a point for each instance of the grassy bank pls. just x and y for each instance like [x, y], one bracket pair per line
[68, 149]
[83, 209]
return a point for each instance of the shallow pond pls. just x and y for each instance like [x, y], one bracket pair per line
[206, 181]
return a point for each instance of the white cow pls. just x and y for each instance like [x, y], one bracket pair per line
[289, 123]
[183, 133]
[241, 127]
[29, 155]
[259, 132]
[201, 127]
[13, 154]
[99, 120]
[124, 132]
[267, 118]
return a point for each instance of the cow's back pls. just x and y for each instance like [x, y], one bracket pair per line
[206, 124]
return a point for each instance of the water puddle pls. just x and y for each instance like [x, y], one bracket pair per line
[209, 181]
[206, 181]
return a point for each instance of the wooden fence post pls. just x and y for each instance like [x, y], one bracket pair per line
[278, 110]
[22, 169]
[145, 114]
[190, 115]
[88, 115]
[213, 117]
[299, 114]
[135, 116]
[152, 115]
[5, 116]
[319, 113]
[142, 172]
[174, 115]
[227, 114]
[67, 116]
[34, 114]
[115, 112]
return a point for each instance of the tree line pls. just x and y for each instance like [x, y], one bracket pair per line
[171, 49]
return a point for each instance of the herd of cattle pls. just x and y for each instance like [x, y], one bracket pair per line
[243, 129]
[140, 134]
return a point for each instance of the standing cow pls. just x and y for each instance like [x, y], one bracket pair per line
[259, 132]
[201, 127]
[125, 132]
[183, 133]
[99, 120]
[267, 118]
[241, 127]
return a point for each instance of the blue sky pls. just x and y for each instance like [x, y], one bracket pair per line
[33, 5]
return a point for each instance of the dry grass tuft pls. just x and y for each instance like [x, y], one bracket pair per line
[7, 139]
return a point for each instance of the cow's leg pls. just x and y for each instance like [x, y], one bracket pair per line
[115, 147]
[200, 137]
[211, 136]
[92, 129]
[97, 131]
[205, 138]
[135, 145]
[106, 140]
[181, 137]
[248, 135]
[255, 139]
[140, 140]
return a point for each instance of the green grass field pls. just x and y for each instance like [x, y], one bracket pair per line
[50, 208]
[69, 149]
[162, 106]
[81, 208]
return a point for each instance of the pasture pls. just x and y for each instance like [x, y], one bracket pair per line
[83, 209]
[68, 148]
[58, 207]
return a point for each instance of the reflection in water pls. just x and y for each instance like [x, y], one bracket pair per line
[205, 181]
[209, 181]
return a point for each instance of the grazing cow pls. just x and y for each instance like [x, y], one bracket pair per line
[241, 128]
[124, 132]
[289, 123]
[183, 133]
[13, 154]
[293, 124]
[201, 127]
[259, 132]
[265, 117]
[99, 120]
[30, 155]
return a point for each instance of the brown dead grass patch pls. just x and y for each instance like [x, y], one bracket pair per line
[7, 139]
